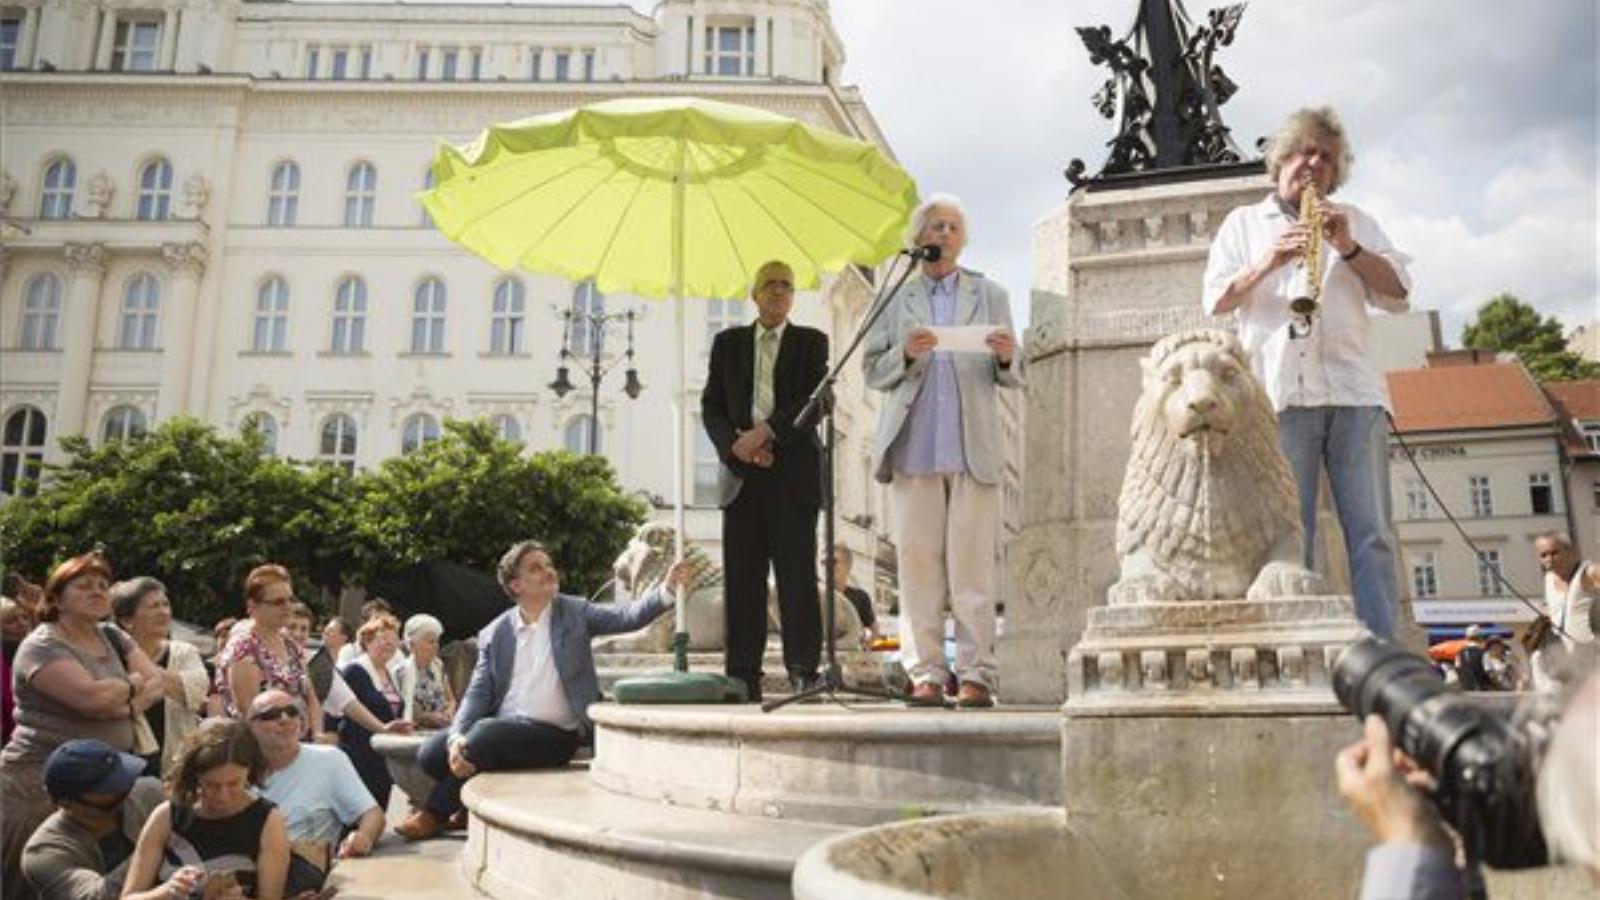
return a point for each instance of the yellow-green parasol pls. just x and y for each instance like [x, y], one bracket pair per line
[670, 197]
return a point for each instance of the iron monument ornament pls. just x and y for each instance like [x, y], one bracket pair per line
[1165, 90]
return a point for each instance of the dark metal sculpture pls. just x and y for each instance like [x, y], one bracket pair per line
[1166, 90]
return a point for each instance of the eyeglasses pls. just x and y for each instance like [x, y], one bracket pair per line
[273, 714]
[281, 601]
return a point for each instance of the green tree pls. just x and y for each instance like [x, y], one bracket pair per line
[193, 508]
[468, 496]
[1506, 324]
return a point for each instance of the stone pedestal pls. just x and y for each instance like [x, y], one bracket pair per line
[1115, 269]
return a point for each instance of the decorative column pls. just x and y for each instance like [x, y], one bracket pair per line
[169, 40]
[188, 264]
[28, 39]
[87, 265]
[108, 36]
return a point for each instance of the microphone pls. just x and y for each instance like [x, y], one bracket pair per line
[928, 252]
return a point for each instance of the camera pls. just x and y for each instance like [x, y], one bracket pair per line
[1484, 767]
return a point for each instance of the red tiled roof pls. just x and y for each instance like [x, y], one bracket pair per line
[1491, 395]
[1575, 400]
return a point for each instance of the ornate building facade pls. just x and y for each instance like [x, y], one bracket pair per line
[209, 207]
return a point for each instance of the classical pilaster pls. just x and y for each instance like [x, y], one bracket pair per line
[108, 36]
[169, 39]
[28, 39]
[86, 264]
[188, 265]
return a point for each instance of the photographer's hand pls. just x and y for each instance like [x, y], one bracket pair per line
[1385, 795]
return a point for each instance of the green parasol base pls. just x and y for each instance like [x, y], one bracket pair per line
[679, 687]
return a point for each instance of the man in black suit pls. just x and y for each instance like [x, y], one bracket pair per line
[770, 484]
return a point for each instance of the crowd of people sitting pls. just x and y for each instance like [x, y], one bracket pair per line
[133, 766]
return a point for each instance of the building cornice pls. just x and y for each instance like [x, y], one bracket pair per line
[374, 14]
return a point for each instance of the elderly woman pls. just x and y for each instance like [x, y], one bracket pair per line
[423, 687]
[141, 607]
[229, 831]
[74, 678]
[941, 445]
[370, 681]
[260, 657]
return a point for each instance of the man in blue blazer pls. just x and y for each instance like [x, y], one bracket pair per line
[525, 707]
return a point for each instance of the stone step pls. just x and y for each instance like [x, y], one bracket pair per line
[854, 764]
[558, 835]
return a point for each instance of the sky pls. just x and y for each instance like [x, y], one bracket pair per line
[1473, 123]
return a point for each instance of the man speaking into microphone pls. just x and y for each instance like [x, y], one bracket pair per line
[942, 349]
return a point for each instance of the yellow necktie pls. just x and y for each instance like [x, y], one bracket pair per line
[766, 356]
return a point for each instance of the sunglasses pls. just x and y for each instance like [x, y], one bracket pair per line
[275, 713]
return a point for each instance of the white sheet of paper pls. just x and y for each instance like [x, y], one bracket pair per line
[962, 338]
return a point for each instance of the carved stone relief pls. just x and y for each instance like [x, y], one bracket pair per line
[97, 194]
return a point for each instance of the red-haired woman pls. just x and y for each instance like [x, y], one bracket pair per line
[75, 676]
[260, 658]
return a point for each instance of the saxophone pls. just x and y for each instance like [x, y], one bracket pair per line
[1308, 285]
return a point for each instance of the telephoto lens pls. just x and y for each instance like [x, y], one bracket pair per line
[1483, 769]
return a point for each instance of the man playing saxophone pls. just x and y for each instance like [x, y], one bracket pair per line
[1314, 363]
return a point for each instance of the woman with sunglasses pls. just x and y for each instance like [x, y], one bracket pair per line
[215, 820]
[141, 607]
[74, 678]
[261, 657]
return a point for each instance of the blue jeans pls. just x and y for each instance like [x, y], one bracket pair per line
[1352, 441]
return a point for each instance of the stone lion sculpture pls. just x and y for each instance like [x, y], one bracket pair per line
[1208, 509]
[641, 566]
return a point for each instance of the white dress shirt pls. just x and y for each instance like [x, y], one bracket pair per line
[536, 690]
[1330, 366]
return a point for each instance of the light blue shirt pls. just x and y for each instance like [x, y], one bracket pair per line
[319, 793]
[930, 443]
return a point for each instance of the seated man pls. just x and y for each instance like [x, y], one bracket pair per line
[81, 852]
[858, 598]
[322, 797]
[519, 711]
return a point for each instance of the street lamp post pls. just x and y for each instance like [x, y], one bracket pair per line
[596, 324]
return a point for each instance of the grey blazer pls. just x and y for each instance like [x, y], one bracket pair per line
[574, 622]
[979, 301]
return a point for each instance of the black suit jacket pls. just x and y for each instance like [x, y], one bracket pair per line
[725, 404]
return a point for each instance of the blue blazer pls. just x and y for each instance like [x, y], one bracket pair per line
[574, 622]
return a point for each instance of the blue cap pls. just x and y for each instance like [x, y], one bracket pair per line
[90, 767]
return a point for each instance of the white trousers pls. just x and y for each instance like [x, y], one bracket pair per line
[947, 528]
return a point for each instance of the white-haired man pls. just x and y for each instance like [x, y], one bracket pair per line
[1330, 398]
[941, 445]
[322, 797]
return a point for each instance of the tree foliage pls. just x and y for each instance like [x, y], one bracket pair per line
[1506, 324]
[184, 504]
[198, 510]
[469, 495]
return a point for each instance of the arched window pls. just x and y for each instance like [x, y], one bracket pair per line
[141, 309]
[338, 446]
[265, 425]
[283, 196]
[360, 195]
[271, 333]
[41, 312]
[155, 191]
[587, 302]
[55, 201]
[506, 322]
[507, 427]
[427, 317]
[418, 429]
[577, 435]
[21, 450]
[122, 423]
[350, 316]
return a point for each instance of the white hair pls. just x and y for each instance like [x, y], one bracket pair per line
[421, 625]
[924, 211]
[1568, 792]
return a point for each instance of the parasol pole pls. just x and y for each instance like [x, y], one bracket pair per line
[680, 631]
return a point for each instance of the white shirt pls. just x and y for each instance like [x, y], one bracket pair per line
[1569, 608]
[1330, 366]
[536, 690]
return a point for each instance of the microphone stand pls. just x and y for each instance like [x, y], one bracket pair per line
[820, 405]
